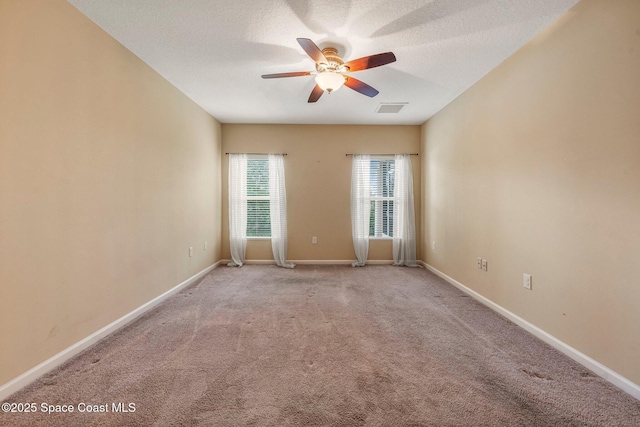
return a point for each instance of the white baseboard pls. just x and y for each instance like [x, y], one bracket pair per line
[598, 368]
[313, 261]
[53, 362]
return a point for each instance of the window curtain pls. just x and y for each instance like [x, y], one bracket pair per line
[237, 208]
[404, 223]
[278, 210]
[360, 207]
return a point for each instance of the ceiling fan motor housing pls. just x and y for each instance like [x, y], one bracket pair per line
[335, 63]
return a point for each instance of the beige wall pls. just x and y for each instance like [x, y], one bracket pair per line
[107, 175]
[537, 169]
[318, 180]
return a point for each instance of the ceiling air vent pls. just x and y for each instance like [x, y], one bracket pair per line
[390, 107]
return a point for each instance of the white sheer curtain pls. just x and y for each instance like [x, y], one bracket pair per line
[237, 208]
[404, 223]
[360, 207]
[278, 210]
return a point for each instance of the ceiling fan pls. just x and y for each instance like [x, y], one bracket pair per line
[331, 70]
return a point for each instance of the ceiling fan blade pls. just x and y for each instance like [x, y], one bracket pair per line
[313, 51]
[371, 61]
[361, 87]
[280, 75]
[316, 93]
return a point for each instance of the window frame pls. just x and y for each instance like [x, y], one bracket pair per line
[253, 157]
[378, 216]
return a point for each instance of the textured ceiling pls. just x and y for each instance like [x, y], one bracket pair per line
[216, 50]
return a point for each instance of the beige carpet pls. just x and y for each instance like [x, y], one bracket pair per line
[325, 346]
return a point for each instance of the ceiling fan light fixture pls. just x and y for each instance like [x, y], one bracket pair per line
[330, 81]
[331, 69]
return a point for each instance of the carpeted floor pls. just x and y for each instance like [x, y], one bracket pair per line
[324, 346]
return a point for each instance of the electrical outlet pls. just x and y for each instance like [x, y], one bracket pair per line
[526, 281]
[484, 265]
[479, 263]
[205, 246]
[434, 245]
[190, 250]
[314, 240]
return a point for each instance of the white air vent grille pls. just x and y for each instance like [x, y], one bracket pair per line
[390, 107]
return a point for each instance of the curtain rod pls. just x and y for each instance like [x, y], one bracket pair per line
[283, 154]
[388, 154]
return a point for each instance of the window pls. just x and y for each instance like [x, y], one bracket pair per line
[258, 215]
[257, 204]
[382, 174]
[382, 206]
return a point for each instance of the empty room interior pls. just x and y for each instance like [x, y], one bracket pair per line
[126, 126]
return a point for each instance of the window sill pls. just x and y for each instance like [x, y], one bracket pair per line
[380, 238]
[258, 238]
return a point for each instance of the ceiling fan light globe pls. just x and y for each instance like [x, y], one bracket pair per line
[330, 81]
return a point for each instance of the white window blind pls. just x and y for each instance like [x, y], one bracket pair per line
[258, 215]
[382, 177]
